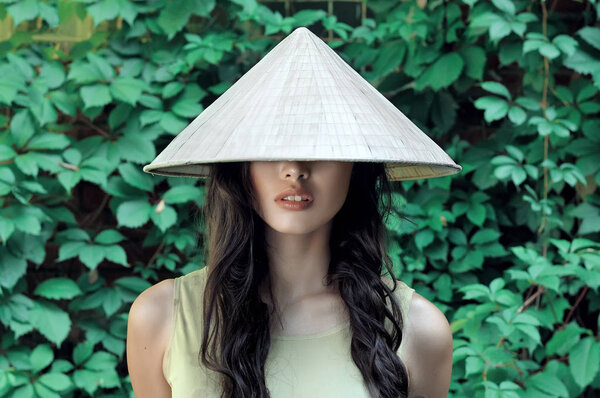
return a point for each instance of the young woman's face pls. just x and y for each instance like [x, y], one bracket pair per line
[326, 182]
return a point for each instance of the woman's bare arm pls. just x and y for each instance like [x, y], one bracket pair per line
[148, 331]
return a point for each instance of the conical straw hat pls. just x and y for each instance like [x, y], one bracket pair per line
[302, 101]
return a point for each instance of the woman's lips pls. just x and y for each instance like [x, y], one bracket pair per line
[292, 204]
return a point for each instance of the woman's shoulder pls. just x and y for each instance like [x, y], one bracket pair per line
[401, 286]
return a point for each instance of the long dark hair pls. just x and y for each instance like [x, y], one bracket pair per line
[236, 335]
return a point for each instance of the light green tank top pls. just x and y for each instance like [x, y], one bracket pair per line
[316, 365]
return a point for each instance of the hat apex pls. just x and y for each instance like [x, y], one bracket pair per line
[302, 101]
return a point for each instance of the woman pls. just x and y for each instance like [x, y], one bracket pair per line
[293, 302]
[341, 233]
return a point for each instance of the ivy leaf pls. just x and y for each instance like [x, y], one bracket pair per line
[109, 237]
[58, 288]
[182, 194]
[11, 268]
[135, 284]
[495, 108]
[164, 219]
[176, 13]
[475, 60]
[56, 381]
[104, 10]
[40, 357]
[496, 88]
[505, 5]
[186, 108]
[584, 361]
[82, 352]
[135, 177]
[171, 89]
[52, 322]
[136, 148]
[22, 127]
[49, 141]
[566, 44]
[95, 95]
[127, 89]
[116, 254]
[25, 10]
[591, 35]
[172, 124]
[134, 213]
[442, 73]
[91, 255]
[517, 115]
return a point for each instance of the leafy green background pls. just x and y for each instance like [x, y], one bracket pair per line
[509, 249]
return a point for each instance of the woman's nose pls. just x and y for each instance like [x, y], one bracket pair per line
[295, 170]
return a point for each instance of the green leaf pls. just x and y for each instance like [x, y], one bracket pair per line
[101, 360]
[11, 268]
[182, 194]
[134, 213]
[40, 357]
[52, 322]
[443, 72]
[86, 380]
[27, 164]
[586, 93]
[485, 235]
[25, 391]
[475, 60]
[548, 384]
[134, 176]
[136, 148]
[499, 30]
[56, 381]
[119, 115]
[165, 219]
[424, 238]
[112, 304]
[496, 88]
[109, 237]
[591, 35]
[505, 5]
[49, 141]
[549, 50]
[84, 72]
[104, 10]
[133, 283]
[95, 95]
[176, 13]
[495, 108]
[82, 352]
[566, 44]
[584, 361]
[22, 127]
[25, 10]
[171, 89]
[172, 124]
[150, 116]
[562, 341]
[186, 108]
[91, 255]
[116, 254]
[6, 152]
[127, 89]
[58, 288]
[40, 388]
[517, 115]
